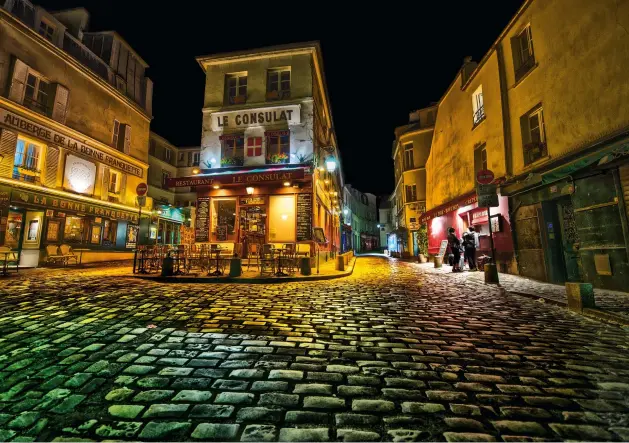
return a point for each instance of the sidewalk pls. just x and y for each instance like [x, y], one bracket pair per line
[610, 305]
[327, 271]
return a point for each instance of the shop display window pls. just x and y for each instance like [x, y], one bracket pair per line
[53, 233]
[110, 229]
[223, 219]
[14, 229]
[74, 228]
[97, 230]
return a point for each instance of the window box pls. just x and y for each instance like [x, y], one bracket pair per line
[237, 100]
[276, 159]
[273, 95]
[534, 151]
[24, 170]
[232, 161]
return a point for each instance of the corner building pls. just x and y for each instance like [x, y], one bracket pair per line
[270, 171]
[75, 110]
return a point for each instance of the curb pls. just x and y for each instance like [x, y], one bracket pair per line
[252, 281]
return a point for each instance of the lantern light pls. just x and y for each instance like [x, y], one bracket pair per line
[330, 163]
[345, 211]
[249, 190]
[286, 184]
[216, 186]
[195, 170]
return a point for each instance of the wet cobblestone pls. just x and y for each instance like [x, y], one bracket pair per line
[391, 353]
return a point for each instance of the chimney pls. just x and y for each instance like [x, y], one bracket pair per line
[413, 117]
[467, 69]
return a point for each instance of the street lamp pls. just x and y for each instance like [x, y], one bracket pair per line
[330, 163]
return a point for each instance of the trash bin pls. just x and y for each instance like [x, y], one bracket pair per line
[491, 273]
[167, 266]
[438, 262]
[304, 265]
[235, 267]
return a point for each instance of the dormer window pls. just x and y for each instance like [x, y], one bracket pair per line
[46, 30]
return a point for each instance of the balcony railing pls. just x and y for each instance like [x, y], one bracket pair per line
[83, 54]
[24, 11]
[479, 115]
[525, 66]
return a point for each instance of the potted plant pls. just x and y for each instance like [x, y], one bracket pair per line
[422, 240]
[275, 159]
[232, 161]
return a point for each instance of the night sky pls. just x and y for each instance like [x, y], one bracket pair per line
[380, 64]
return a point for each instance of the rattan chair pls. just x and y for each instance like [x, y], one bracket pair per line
[267, 259]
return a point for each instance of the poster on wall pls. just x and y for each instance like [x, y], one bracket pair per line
[33, 231]
[132, 236]
[80, 175]
[202, 223]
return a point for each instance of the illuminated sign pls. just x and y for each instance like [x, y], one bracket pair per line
[289, 114]
[80, 175]
[235, 179]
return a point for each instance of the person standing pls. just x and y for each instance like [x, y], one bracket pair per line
[470, 243]
[455, 247]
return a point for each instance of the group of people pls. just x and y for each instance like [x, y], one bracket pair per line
[466, 245]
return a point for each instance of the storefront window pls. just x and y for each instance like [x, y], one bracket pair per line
[109, 232]
[73, 231]
[282, 218]
[95, 236]
[14, 228]
[223, 219]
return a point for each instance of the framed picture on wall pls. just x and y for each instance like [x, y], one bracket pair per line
[495, 223]
[54, 228]
[33, 231]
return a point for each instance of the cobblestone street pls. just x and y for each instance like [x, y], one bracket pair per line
[390, 353]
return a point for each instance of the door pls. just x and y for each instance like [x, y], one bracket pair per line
[569, 239]
[553, 243]
[31, 239]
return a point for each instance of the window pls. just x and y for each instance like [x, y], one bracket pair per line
[114, 182]
[109, 232]
[278, 84]
[408, 157]
[236, 88]
[26, 160]
[478, 106]
[114, 139]
[167, 155]
[36, 93]
[46, 30]
[196, 158]
[523, 55]
[97, 230]
[165, 177]
[254, 146]
[411, 193]
[233, 151]
[73, 231]
[480, 158]
[533, 135]
[277, 149]
[181, 156]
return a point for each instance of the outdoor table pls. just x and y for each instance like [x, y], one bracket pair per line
[218, 261]
[279, 272]
[5, 265]
[80, 251]
[142, 260]
[178, 252]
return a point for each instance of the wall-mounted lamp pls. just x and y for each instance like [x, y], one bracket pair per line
[330, 163]
[216, 187]
[286, 184]
[195, 170]
[249, 190]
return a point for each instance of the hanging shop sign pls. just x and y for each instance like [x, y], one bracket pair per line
[28, 127]
[48, 201]
[289, 114]
[235, 179]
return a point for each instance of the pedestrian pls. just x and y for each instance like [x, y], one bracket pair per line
[455, 247]
[470, 243]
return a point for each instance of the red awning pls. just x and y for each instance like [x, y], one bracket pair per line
[252, 177]
[465, 200]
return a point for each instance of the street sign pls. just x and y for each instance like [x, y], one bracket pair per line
[488, 200]
[141, 189]
[486, 189]
[141, 200]
[484, 176]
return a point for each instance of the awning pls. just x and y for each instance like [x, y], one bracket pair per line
[256, 176]
[602, 156]
[453, 205]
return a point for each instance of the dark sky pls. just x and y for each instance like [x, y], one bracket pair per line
[380, 63]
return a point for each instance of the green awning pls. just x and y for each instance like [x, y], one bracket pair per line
[604, 155]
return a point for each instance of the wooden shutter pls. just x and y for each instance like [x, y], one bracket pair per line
[123, 187]
[127, 139]
[52, 164]
[59, 107]
[8, 140]
[18, 82]
[104, 192]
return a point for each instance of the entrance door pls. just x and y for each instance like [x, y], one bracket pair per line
[31, 239]
[569, 239]
[554, 251]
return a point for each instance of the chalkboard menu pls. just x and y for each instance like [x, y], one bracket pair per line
[442, 249]
[202, 224]
[221, 233]
[304, 217]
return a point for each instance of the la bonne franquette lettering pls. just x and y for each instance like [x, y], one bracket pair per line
[256, 117]
[80, 207]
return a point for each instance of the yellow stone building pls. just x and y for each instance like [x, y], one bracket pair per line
[411, 150]
[74, 127]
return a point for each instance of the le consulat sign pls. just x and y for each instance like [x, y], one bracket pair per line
[289, 114]
[236, 179]
[44, 133]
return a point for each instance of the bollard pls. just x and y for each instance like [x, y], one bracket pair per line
[491, 273]
[340, 263]
[438, 262]
[580, 296]
[167, 266]
[304, 264]
[235, 267]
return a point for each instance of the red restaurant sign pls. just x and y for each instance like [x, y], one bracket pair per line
[237, 179]
[448, 207]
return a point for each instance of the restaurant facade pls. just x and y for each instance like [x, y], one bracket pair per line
[69, 160]
[270, 171]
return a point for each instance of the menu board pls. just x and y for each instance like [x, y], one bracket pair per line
[304, 217]
[442, 249]
[202, 223]
[221, 233]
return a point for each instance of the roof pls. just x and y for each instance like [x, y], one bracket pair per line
[264, 52]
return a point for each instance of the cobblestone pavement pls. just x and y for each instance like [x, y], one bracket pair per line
[610, 301]
[390, 353]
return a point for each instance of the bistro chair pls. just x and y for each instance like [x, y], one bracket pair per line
[267, 259]
[8, 259]
[289, 259]
[253, 251]
[53, 256]
[68, 254]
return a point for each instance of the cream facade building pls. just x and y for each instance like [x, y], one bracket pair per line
[74, 127]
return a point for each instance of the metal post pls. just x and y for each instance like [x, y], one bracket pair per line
[493, 249]
[137, 240]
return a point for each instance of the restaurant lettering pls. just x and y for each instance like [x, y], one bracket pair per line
[24, 197]
[438, 212]
[237, 119]
[16, 122]
[235, 179]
